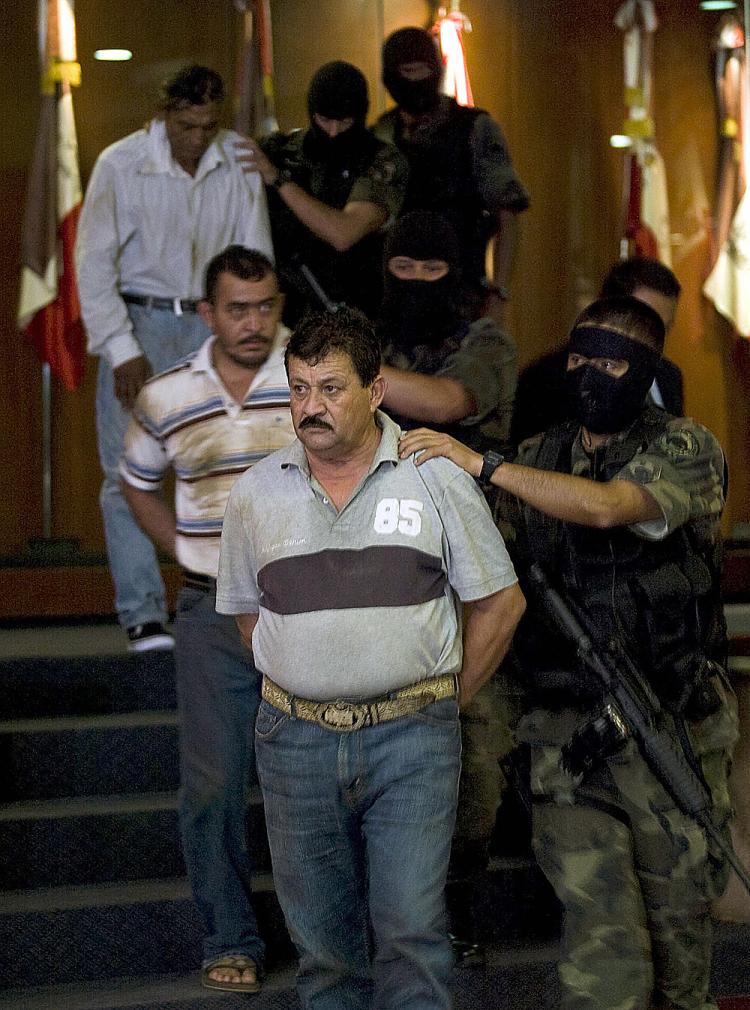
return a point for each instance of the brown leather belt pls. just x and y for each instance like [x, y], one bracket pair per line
[347, 716]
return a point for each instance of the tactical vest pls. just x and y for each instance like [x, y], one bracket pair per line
[657, 600]
[441, 179]
[354, 276]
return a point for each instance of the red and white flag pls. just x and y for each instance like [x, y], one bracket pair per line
[646, 229]
[49, 312]
[728, 284]
[254, 106]
[449, 29]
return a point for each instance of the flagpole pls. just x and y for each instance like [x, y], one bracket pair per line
[380, 35]
[48, 312]
[46, 451]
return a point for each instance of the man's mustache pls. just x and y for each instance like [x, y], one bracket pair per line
[314, 422]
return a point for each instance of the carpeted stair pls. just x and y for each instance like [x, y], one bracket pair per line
[92, 882]
[95, 911]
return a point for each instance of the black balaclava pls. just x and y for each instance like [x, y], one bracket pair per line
[601, 403]
[338, 90]
[421, 312]
[412, 45]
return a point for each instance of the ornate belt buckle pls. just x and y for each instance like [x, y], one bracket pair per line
[341, 716]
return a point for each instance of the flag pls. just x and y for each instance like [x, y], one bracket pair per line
[449, 29]
[728, 284]
[254, 106]
[646, 230]
[49, 312]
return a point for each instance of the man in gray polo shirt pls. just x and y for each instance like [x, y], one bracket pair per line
[376, 598]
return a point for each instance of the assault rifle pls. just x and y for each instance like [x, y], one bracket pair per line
[317, 288]
[631, 709]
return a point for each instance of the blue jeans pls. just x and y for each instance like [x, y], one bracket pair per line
[139, 590]
[360, 828]
[218, 690]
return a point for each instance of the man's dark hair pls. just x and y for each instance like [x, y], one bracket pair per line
[247, 264]
[628, 316]
[193, 85]
[347, 331]
[640, 272]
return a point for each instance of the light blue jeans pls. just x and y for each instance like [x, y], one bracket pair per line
[139, 590]
[218, 690]
[360, 828]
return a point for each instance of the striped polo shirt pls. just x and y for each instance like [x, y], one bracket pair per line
[185, 419]
[366, 600]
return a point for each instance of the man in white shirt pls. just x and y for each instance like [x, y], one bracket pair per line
[209, 418]
[160, 204]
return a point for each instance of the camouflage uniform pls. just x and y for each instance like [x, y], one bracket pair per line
[635, 876]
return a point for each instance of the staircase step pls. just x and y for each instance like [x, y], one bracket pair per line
[88, 755]
[514, 977]
[72, 935]
[151, 992]
[97, 840]
[87, 685]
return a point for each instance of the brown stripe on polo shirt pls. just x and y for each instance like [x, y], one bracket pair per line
[387, 576]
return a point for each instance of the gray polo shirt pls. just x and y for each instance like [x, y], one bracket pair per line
[366, 600]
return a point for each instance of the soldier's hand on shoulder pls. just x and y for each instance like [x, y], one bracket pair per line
[427, 444]
[251, 159]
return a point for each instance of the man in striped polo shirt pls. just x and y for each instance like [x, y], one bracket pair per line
[209, 418]
[375, 596]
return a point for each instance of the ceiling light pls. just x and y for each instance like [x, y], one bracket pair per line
[717, 5]
[620, 140]
[113, 55]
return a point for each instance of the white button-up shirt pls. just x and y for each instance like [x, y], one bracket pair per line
[150, 228]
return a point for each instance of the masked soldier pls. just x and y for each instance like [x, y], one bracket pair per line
[621, 508]
[459, 164]
[443, 369]
[331, 190]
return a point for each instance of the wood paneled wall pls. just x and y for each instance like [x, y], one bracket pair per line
[549, 72]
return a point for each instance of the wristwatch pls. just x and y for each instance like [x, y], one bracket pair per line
[490, 462]
[283, 175]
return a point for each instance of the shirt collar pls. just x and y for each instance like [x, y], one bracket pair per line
[158, 159]
[202, 360]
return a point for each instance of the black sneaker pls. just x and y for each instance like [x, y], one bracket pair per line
[144, 637]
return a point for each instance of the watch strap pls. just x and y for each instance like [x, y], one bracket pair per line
[490, 462]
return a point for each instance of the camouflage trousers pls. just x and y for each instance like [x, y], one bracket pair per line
[636, 876]
[486, 738]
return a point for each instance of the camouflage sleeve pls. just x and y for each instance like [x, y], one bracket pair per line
[683, 470]
[384, 182]
[384, 128]
[487, 365]
[272, 146]
[494, 175]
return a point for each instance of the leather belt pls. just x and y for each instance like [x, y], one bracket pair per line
[198, 581]
[347, 716]
[176, 305]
